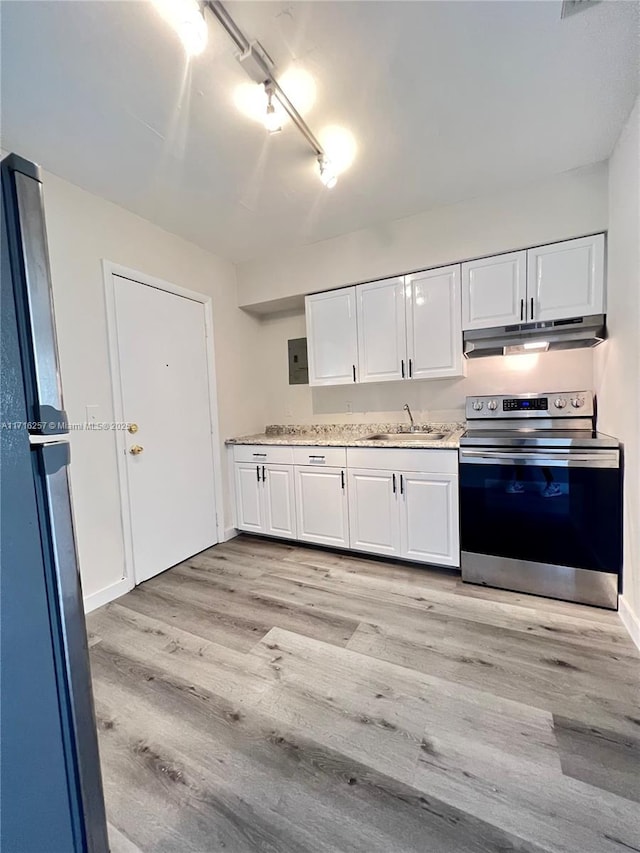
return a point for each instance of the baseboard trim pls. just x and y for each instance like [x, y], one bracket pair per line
[230, 533]
[629, 619]
[104, 596]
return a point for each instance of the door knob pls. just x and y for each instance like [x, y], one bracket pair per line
[135, 449]
[132, 428]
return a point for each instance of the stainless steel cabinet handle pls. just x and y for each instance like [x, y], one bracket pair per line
[410, 368]
[402, 367]
[401, 484]
[263, 477]
[342, 479]
[258, 472]
[531, 317]
[354, 373]
[259, 454]
[394, 483]
[522, 309]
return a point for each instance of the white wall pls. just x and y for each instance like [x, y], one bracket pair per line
[435, 400]
[568, 205]
[618, 360]
[84, 229]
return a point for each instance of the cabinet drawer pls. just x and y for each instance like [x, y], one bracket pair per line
[335, 457]
[399, 459]
[263, 453]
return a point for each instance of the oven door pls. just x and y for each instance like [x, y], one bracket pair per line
[547, 506]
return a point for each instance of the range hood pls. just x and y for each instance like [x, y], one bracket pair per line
[575, 333]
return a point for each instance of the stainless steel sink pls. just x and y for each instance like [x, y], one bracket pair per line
[407, 436]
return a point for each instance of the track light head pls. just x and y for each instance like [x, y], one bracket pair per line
[272, 119]
[327, 173]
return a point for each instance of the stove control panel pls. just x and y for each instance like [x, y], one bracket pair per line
[518, 404]
[555, 404]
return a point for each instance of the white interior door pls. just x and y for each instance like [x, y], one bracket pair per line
[374, 523]
[162, 351]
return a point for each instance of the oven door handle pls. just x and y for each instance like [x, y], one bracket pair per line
[543, 458]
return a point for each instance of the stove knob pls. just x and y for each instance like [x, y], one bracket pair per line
[560, 403]
[577, 402]
[492, 405]
[477, 405]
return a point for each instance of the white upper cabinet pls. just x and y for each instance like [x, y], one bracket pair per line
[566, 279]
[332, 337]
[554, 282]
[410, 327]
[382, 332]
[494, 291]
[434, 323]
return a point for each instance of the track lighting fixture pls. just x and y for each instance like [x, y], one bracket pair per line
[327, 173]
[188, 19]
[271, 120]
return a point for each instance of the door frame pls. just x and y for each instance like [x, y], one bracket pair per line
[109, 270]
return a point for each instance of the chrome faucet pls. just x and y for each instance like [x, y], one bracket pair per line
[408, 411]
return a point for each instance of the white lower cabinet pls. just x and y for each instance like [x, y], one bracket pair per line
[429, 518]
[249, 502]
[405, 514]
[265, 499]
[279, 504]
[321, 505]
[374, 524]
[392, 502]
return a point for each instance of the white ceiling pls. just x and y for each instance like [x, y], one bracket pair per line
[447, 101]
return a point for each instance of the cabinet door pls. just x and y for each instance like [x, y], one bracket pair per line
[382, 331]
[429, 518]
[249, 513]
[332, 337]
[321, 505]
[279, 503]
[374, 523]
[494, 291]
[566, 280]
[434, 323]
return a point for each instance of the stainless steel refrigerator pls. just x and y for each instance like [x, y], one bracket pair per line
[51, 795]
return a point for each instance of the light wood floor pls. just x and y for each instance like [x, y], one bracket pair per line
[272, 697]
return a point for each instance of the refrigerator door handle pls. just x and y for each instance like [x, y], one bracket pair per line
[32, 278]
[66, 592]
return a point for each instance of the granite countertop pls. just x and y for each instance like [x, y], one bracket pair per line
[353, 435]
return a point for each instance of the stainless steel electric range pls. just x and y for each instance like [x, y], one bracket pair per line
[541, 497]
